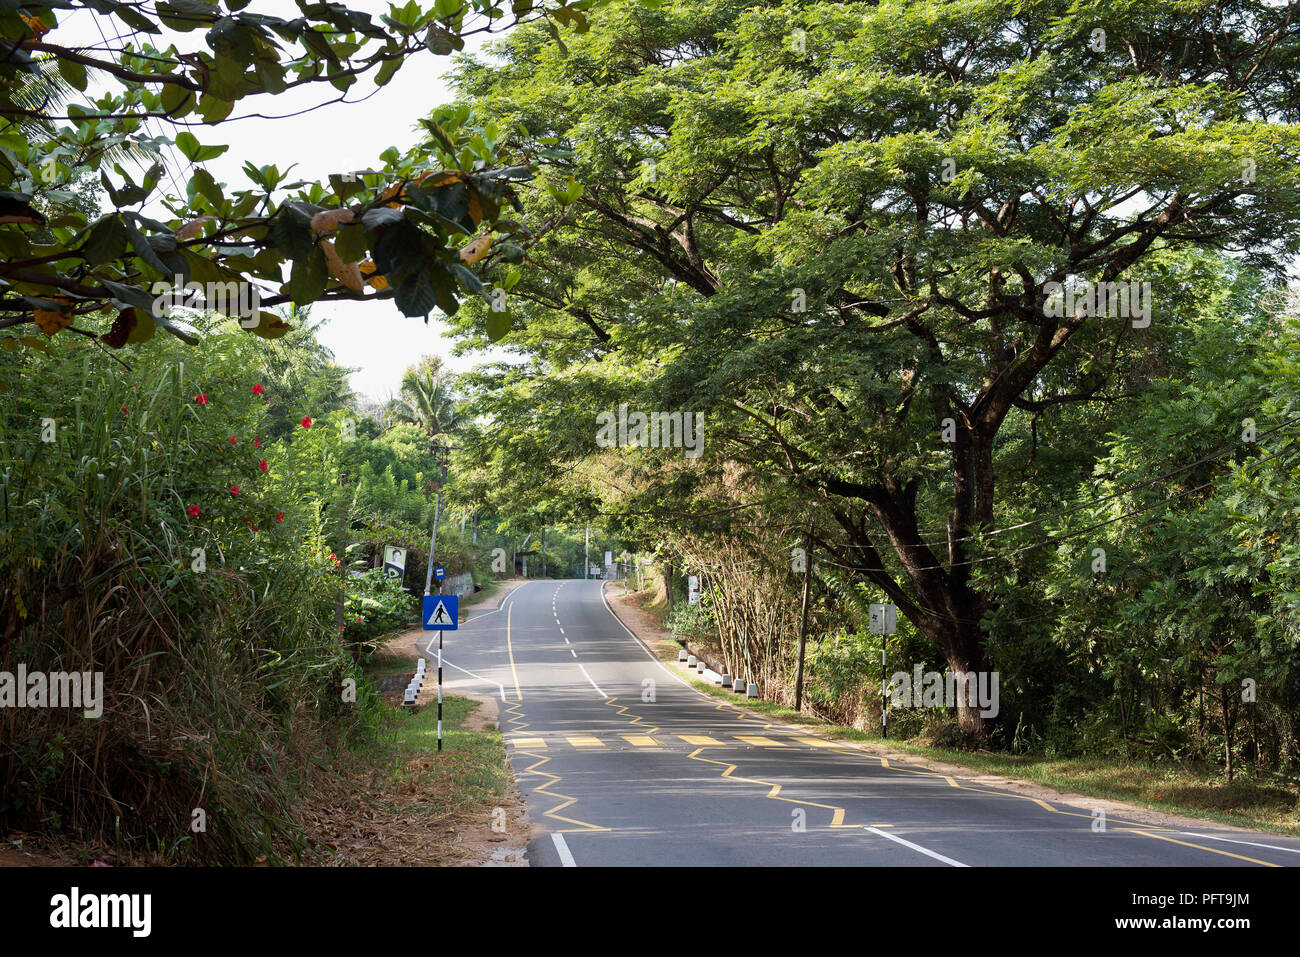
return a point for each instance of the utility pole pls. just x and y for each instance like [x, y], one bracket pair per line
[803, 619]
[440, 452]
[586, 561]
[543, 551]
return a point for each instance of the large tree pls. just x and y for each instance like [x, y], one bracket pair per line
[840, 230]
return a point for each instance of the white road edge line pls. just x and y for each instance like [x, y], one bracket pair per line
[501, 607]
[566, 856]
[653, 657]
[500, 686]
[916, 847]
[593, 683]
[574, 653]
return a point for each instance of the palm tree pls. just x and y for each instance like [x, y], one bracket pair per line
[301, 374]
[426, 399]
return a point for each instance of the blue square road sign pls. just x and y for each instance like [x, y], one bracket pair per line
[439, 612]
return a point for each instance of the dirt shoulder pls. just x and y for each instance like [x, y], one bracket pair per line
[646, 626]
[433, 808]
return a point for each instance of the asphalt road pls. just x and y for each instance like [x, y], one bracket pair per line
[627, 765]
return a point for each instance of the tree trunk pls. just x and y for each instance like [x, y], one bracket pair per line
[965, 653]
[1227, 732]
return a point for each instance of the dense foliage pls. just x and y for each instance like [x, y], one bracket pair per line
[850, 236]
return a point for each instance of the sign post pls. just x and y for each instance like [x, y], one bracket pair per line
[440, 613]
[883, 622]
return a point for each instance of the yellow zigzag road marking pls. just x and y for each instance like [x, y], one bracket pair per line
[522, 746]
[623, 712]
[837, 819]
[565, 799]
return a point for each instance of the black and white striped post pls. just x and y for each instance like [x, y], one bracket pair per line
[440, 452]
[883, 621]
[440, 685]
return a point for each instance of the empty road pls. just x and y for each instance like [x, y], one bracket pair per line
[625, 764]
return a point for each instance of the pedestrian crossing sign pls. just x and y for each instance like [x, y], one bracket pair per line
[440, 612]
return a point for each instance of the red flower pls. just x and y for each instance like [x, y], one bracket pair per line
[332, 556]
[234, 490]
[253, 527]
[194, 511]
[306, 422]
[358, 617]
[201, 398]
[257, 390]
[279, 516]
[232, 440]
[257, 443]
[262, 465]
[124, 410]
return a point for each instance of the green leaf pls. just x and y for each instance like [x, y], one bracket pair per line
[271, 76]
[571, 18]
[135, 19]
[291, 233]
[73, 72]
[105, 241]
[194, 150]
[343, 188]
[442, 42]
[129, 295]
[498, 324]
[351, 243]
[473, 285]
[145, 250]
[387, 71]
[178, 101]
[308, 277]
[214, 110]
[414, 295]
[207, 186]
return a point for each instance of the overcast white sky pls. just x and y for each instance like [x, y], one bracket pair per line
[374, 337]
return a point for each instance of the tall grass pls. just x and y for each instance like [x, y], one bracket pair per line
[223, 689]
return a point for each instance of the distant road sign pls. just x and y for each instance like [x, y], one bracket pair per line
[882, 619]
[440, 572]
[440, 611]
